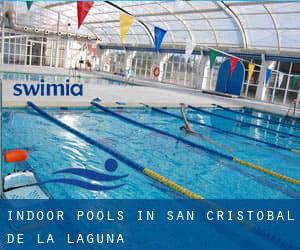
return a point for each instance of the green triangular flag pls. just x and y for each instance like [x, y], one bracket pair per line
[212, 56]
[295, 80]
[29, 4]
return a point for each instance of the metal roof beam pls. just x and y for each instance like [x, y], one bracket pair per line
[58, 4]
[236, 19]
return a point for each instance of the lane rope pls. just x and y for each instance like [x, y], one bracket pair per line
[296, 151]
[257, 117]
[248, 123]
[285, 118]
[136, 166]
[155, 176]
[172, 184]
[187, 142]
[145, 126]
[269, 172]
[224, 131]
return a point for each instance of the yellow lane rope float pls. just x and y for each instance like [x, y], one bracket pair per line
[196, 145]
[296, 151]
[155, 176]
[171, 184]
[269, 172]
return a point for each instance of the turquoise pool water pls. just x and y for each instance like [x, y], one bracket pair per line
[52, 148]
[56, 79]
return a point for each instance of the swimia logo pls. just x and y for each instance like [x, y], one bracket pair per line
[48, 89]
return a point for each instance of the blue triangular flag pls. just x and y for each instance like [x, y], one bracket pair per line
[268, 75]
[159, 34]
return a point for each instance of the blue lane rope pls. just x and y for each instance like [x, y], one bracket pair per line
[149, 172]
[195, 145]
[291, 193]
[257, 117]
[136, 166]
[108, 150]
[248, 123]
[145, 126]
[285, 118]
[221, 130]
[152, 174]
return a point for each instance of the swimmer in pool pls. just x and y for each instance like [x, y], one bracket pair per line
[188, 129]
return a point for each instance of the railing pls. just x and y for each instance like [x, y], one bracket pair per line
[292, 106]
[74, 72]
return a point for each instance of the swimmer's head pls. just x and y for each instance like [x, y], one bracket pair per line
[182, 128]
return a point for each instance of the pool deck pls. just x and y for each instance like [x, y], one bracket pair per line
[146, 92]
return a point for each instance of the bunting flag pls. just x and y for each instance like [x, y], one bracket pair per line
[233, 63]
[83, 8]
[189, 48]
[268, 76]
[212, 57]
[295, 80]
[251, 67]
[29, 4]
[159, 35]
[280, 79]
[125, 23]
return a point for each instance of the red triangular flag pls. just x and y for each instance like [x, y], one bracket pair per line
[83, 9]
[233, 62]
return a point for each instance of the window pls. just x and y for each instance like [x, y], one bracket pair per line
[196, 73]
[250, 87]
[23, 49]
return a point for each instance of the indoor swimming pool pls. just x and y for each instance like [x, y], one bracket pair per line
[52, 148]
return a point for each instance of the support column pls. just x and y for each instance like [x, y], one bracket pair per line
[261, 92]
[185, 62]
[57, 41]
[203, 78]
[261, 89]
[68, 60]
[161, 67]
[131, 55]
[3, 34]
[2, 42]
[107, 54]
[102, 56]
[130, 74]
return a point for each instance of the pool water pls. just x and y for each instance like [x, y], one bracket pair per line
[52, 148]
[58, 79]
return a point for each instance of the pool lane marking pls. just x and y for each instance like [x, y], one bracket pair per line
[257, 117]
[136, 166]
[224, 131]
[267, 171]
[196, 122]
[155, 176]
[296, 151]
[195, 145]
[284, 120]
[171, 184]
[248, 123]
[145, 126]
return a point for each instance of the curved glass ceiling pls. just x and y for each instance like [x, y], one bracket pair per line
[254, 25]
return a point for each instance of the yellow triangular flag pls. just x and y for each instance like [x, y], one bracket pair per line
[250, 71]
[125, 23]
